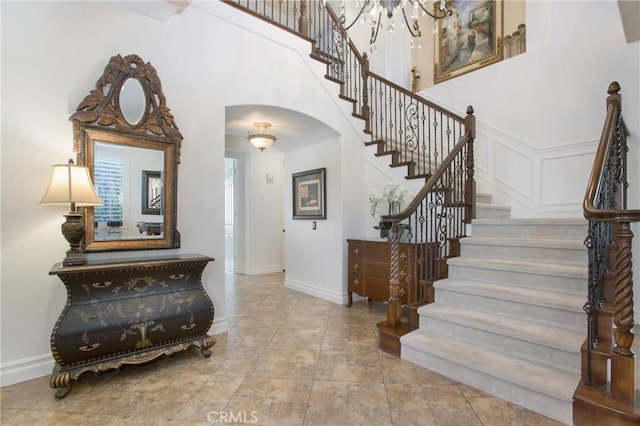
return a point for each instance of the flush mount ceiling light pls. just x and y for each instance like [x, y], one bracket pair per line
[260, 138]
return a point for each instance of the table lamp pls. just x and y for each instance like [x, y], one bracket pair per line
[71, 185]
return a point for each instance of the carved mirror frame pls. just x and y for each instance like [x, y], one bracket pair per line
[99, 117]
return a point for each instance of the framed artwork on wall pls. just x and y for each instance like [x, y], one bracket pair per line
[469, 39]
[310, 194]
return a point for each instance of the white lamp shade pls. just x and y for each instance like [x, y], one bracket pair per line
[71, 184]
[262, 141]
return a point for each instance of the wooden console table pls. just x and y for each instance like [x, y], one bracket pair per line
[369, 264]
[129, 311]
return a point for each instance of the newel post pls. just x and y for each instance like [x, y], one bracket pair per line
[366, 111]
[470, 183]
[623, 358]
[394, 306]
[303, 22]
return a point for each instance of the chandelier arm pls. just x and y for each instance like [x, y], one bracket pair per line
[445, 12]
[343, 19]
[374, 33]
[416, 26]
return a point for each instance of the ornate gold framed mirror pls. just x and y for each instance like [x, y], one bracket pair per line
[127, 137]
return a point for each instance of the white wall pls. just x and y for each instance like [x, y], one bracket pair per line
[307, 271]
[52, 55]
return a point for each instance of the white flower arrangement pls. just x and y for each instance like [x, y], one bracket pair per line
[393, 193]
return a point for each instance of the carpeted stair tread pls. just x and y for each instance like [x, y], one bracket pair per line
[567, 302]
[554, 337]
[538, 268]
[524, 242]
[545, 380]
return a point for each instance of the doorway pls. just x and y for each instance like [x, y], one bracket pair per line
[230, 214]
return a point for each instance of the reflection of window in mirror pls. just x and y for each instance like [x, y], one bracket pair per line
[110, 170]
[110, 176]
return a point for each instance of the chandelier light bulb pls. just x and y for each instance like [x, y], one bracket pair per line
[371, 12]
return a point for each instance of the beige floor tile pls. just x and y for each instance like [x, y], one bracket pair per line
[346, 339]
[498, 412]
[226, 360]
[350, 366]
[343, 403]
[21, 417]
[399, 371]
[294, 338]
[294, 364]
[426, 404]
[33, 395]
[190, 397]
[271, 401]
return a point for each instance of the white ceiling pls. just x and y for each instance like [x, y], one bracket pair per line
[292, 129]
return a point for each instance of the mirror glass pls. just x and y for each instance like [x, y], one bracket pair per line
[120, 170]
[135, 180]
[126, 135]
[133, 101]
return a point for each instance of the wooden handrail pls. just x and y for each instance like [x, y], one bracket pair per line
[590, 211]
[429, 185]
[416, 97]
[610, 259]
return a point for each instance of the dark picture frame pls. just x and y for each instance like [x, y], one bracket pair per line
[471, 38]
[310, 194]
[151, 192]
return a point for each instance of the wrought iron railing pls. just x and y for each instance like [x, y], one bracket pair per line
[435, 220]
[433, 143]
[417, 133]
[610, 291]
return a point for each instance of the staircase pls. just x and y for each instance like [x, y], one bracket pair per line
[509, 320]
[509, 310]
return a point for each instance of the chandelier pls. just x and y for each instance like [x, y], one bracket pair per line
[370, 11]
[260, 138]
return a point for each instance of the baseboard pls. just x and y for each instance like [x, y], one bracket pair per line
[331, 296]
[26, 369]
[219, 326]
[264, 270]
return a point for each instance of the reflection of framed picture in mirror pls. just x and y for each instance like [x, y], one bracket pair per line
[151, 192]
[309, 194]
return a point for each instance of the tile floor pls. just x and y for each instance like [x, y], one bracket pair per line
[288, 359]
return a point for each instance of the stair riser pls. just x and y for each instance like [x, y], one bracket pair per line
[483, 198]
[559, 284]
[552, 357]
[571, 320]
[535, 401]
[514, 230]
[491, 212]
[555, 255]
